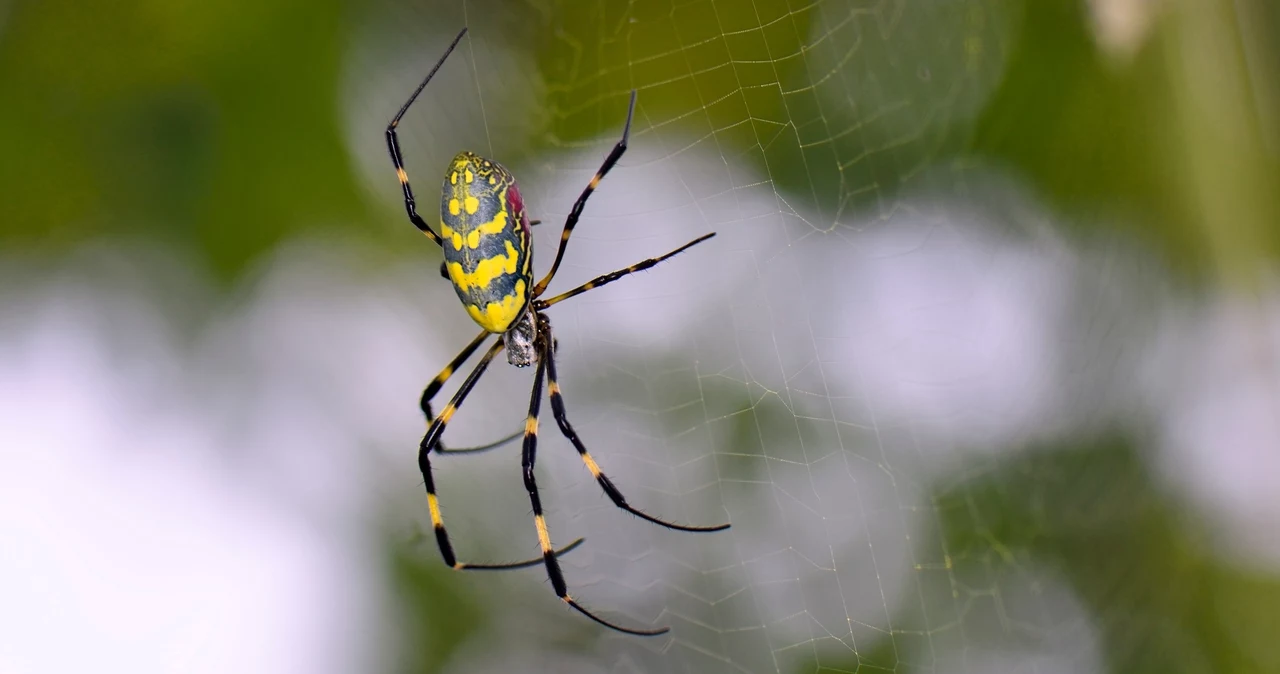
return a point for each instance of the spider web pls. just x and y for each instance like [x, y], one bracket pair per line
[874, 371]
[917, 399]
[767, 378]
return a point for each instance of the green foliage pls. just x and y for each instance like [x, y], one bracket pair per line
[209, 126]
[1157, 590]
[439, 618]
[218, 127]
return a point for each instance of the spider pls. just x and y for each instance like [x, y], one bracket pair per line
[488, 256]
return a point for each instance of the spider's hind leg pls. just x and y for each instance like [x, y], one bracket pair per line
[528, 459]
[562, 419]
[431, 441]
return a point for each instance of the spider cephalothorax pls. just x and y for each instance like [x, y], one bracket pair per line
[519, 341]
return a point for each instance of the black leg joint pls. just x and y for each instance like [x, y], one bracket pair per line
[446, 550]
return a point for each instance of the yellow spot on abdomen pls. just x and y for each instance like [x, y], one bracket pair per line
[472, 204]
[473, 239]
[496, 317]
[496, 225]
[469, 176]
[486, 271]
[453, 178]
[454, 209]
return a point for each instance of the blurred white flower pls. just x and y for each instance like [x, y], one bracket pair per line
[132, 541]
[1121, 27]
[1214, 384]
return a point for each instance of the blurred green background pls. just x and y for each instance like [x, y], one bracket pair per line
[217, 127]
[223, 129]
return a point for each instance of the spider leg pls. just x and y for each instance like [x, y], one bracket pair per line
[434, 387]
[528, 458]
[576, 211]
[558, 409]
[431, 440]
[615, 275]
[393, 146]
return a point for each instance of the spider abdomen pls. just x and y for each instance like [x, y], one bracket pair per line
[486, 241]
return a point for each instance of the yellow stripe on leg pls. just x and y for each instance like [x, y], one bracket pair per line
[447, 413]
[531, 426]
[544, 538]
[591, 465]
[433, 504]
[444, 375]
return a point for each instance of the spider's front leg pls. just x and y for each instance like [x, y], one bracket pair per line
[436, 384]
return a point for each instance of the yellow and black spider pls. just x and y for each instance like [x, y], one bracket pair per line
[488, 256]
